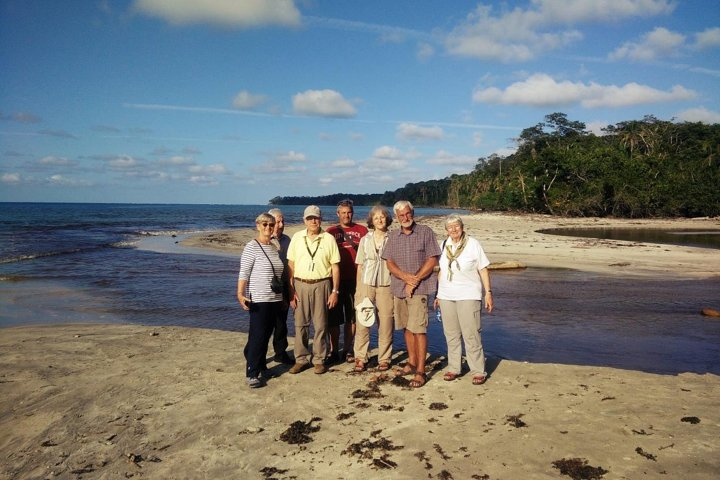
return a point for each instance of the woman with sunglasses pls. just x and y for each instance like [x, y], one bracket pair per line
[259, 291]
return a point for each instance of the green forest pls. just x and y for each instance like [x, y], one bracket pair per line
[637, 168]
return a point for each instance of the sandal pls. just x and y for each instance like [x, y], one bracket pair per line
[383, 367]
[407, 369]
[450, 376]
[418, 380]
[349, 356]
[479, 379]
[359, 366]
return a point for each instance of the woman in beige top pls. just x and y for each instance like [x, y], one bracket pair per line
[373, 282]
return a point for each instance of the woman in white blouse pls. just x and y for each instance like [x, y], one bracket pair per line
[373, 282]
[462, 278]
[259, 291]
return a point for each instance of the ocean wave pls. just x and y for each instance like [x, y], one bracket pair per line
[160, 233]
[13, 278]
[56, 253]
[124, 244]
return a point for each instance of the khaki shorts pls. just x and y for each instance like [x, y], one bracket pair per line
[411, 313]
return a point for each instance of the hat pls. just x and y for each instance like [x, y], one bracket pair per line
[312, 211]
[365, 313]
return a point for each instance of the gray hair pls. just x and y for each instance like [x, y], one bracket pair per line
[275, 212]
[453, 218]
[264, 217]
[378, 209]
[402, 204]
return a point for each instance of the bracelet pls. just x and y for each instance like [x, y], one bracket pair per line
[336, 291]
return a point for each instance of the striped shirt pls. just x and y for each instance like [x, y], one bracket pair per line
[256, 269]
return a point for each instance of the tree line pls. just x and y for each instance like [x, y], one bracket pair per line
[637, 168]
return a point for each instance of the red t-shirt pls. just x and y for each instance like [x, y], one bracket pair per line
[347, 239]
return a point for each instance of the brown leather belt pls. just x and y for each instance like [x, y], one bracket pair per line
[318, 280]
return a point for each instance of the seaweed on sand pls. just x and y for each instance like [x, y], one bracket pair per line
[298, 431]
[578, 469]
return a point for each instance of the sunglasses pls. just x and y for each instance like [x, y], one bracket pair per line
[266, 224]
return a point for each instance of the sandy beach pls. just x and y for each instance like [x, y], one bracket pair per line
[128, 401]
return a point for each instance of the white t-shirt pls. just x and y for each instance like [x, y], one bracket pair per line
[466, 283]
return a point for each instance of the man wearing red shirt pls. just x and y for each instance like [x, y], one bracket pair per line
[347, 235]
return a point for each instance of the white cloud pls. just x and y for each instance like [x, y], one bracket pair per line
[289, 162]
[123, 162]
[385, 159]
[214, 169]
[323, 103]
[410, 131]
[62, 181]
[596, 127]
[343, 163]
[10, 178]
[505, 151]
[291, 156]
[245, 100]
[541, 90]
[709, 38]
[446, 158]
[387, 152]
[425, 51]
[562, 11]
[177, 160]
[658, 44]
[203, 180]
[519, 34]
[477, 139]
[22, 117]
[232, 13]
[55, 161]
[700, 114]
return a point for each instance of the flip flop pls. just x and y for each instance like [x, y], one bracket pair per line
[450, 376]
[479, 379]
[406, 370]
[415, 383]
[359, 366]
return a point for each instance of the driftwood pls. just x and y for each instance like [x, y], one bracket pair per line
[506, 265]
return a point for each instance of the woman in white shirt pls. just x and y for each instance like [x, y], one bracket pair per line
[462, 278]
[373, 282]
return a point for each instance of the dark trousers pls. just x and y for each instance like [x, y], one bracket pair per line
[262, 321]
[280, 330]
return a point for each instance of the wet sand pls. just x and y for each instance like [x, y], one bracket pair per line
[127, 401]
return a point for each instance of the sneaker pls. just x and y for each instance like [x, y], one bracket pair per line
[298, 367]
[254, 382]
[320, 368]
[284, 358]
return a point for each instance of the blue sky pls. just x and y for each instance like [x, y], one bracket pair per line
[237, 101]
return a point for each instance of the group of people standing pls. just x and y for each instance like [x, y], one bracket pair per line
[324, 274]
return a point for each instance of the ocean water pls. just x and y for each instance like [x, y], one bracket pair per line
[86, 263]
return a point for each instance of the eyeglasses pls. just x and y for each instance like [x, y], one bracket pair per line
[266, 224]
[345, 203]
[312, 219]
